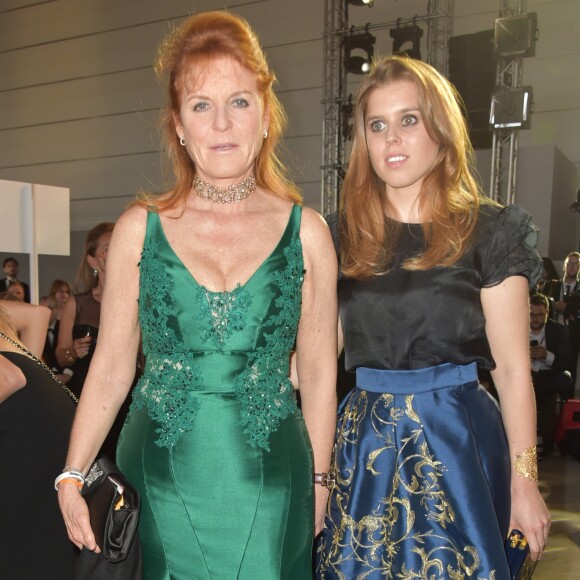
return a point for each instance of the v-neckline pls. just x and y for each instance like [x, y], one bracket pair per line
[239, 286]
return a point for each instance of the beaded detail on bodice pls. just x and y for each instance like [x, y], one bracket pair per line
[235, 343]
[264, 389]
[222, 312]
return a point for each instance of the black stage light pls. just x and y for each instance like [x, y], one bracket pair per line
[511, 108]
[404, 35]
[358, 52]
[516, 35]
[472, 69]
[368, 3]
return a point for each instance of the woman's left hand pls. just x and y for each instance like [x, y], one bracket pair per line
[320, 503]
[530, 515]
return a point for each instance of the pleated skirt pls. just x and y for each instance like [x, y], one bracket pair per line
[423, 480]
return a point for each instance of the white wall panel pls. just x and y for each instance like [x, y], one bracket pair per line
[304, 157]
[299, 66]
[45, 22]
[109, 52]
[303, 108]
[87, 138]
[96, 96]
[104, 178]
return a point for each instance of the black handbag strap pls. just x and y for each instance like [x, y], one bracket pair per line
[101, 469]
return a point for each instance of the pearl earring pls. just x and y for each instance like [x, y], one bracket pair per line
[95, 273]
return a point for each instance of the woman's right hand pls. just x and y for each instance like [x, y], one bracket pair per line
[82, 345]
[76, 517]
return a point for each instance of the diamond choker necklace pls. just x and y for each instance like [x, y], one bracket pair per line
[230, 194]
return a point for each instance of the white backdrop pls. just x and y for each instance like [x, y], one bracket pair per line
[32, 221]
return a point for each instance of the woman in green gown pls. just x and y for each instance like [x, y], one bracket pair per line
[224, 276]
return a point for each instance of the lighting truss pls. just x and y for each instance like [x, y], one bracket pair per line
[439, 24]
[504, 154]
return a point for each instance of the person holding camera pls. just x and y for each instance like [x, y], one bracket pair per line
[551, 360]
[566, 294]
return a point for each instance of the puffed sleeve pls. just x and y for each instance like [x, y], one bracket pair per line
[511, 251]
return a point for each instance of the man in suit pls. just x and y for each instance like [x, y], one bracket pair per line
[10, 267]
[551, 359]
[564, 291]
[566, 295]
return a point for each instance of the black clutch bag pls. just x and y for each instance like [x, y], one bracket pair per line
[518, 555]
[114, 506]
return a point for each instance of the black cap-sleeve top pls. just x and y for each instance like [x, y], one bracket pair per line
[415, 319]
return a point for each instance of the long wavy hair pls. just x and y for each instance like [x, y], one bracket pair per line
[183, 55]
[54, 288]
[449, 196]
[86, 279]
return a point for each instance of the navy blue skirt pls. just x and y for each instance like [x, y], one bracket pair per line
[423, 479]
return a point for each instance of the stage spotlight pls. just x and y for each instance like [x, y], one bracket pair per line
[407, 34]
[368, 3]
[358, 52]
[511, 108]
[516, 35]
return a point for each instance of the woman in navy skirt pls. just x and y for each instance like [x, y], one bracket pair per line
[430, 473]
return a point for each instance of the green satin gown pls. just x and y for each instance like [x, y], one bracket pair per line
[214, 439]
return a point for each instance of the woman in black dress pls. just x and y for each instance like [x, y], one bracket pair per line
[433, 283]
[79, 324]
[36, 416]
[58, 295]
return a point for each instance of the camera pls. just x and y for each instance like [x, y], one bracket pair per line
[572, 300]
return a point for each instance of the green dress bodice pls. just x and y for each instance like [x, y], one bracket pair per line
[237, 340]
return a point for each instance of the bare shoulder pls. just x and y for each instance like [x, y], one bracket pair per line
[130, 228]
[317, 242]
[133, 218]
[314, 229]
[22, 312]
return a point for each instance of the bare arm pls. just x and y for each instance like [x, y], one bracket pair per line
[506, 311]
[112, 368]
[11, 379]
[67, 348]
[316, 347]
[65, 339]
[293, 372]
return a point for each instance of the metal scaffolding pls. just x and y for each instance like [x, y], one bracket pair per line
[334, 93]
[439, 22]
[439, 31]
[504, 152]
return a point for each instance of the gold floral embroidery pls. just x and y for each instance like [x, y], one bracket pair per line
[392, 527]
